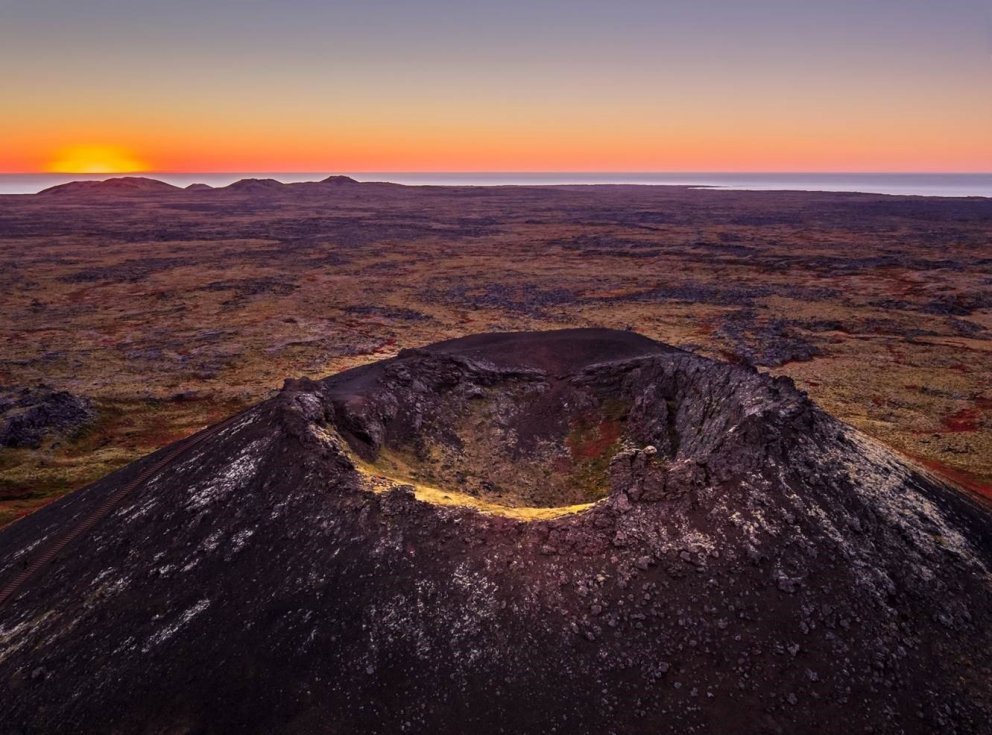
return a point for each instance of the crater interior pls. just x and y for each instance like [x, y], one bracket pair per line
[522, 426]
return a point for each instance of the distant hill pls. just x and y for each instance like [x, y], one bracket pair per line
[339, 180]
[119, 185]
[253, 185]
[142, 185]
[259, 186]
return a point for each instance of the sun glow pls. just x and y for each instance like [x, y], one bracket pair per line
[95, 159]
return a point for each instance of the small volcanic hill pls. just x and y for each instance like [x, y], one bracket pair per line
[581, 531]
[141, 186]
[121, 185]
[338, 180]
[254, 186]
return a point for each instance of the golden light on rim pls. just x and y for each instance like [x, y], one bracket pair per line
[95, 159]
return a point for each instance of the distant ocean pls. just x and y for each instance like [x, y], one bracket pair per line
[938, 185]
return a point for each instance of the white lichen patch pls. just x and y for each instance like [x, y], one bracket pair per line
[194, 459]
[476, 612]
[237, 474]
[244, 421]
[25, 550]
[170, 630]
[310, 405]
[328, 438]
[212, 541]
[885, 480]
[131, 513]
[107, 583]
[16, 636]
[239, 539]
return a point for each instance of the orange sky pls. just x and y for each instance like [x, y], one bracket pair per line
[485, 144]
[757, 86]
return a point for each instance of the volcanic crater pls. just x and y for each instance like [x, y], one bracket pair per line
[577, 531]
[526, 431]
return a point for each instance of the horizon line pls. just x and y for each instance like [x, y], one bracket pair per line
[505, 172]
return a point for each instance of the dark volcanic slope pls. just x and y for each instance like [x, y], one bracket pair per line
[738, 561]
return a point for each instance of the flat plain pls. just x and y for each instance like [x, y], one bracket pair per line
[169, 309]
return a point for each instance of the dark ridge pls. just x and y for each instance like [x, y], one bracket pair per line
[558, 352]
[339, 180]
[252, 186]
[119, 185]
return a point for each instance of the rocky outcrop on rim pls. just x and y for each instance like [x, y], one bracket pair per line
[741, 562]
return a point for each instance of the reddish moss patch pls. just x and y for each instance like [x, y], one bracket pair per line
[964, 420]
[968, 419]
[961, 478]
[595, 441]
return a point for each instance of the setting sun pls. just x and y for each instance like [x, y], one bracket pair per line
[95, 159]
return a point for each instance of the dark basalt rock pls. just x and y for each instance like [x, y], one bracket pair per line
[748, 563]
[28, 416]
[769, 343]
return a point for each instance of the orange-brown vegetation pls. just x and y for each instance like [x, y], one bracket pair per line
[170, 309]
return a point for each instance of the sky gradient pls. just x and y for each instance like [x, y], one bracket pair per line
[537, 85]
